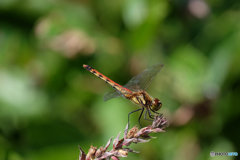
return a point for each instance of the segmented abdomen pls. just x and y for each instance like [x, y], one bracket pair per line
[106, 79]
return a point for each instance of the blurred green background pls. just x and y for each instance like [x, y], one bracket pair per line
[49, 104]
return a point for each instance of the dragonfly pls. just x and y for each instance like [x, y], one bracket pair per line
[134, 90]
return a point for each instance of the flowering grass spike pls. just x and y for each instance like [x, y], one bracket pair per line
[134, 135]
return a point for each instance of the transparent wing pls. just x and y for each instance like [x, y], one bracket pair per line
[144, 79]
[111, 94]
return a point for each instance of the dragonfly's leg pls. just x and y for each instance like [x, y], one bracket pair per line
[145, 116]
[135, 111]
[155, 111]
[159, 114]
[149, 114]
[140, 117]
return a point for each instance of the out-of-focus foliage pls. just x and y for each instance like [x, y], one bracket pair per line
[49, 104]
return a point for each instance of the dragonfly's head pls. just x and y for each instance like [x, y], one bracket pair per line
[156, 104]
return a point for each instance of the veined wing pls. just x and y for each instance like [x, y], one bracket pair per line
[144, 79]
[111, 94]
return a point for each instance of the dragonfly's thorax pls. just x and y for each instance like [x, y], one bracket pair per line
[141, 98]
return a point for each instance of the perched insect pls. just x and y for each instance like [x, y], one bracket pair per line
[134, 90]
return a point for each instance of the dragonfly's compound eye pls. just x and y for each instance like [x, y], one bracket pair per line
[156, 104]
